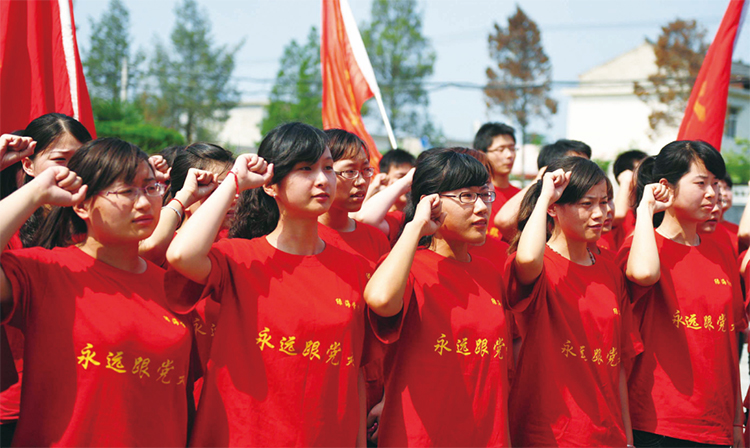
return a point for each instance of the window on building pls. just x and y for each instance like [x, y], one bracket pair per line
[730, 126]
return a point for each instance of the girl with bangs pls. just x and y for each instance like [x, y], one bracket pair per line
[104, 359]
[285, 359]
[684, 389]
[440, 311]
[573, 314]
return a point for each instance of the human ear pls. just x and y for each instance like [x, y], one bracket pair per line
[271, 190]
[28, 166]
[83, 209]
[552, 210]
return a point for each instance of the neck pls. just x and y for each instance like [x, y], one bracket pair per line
[457, 250]
[679, 231]
[122, 256]
[574, 250]
[296, 235]
[593, 248]
[337, 219]
[501, 180]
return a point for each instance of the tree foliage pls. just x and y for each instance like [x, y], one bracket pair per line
[108, 47]
[297, 92]
[737, 160]
[193, 76]
[679, 51]
[402, 58]
[520, 84]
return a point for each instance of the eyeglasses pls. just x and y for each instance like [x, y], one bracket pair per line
[352, 174]
[468, 197]
[511, 148]
[131, 193]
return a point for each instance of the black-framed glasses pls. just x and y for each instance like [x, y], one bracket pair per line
[468, 197]
[352, 174]
[131, 193]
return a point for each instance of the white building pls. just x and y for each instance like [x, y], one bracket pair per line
[605, 113]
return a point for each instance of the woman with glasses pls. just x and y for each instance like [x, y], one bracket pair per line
[106, 362]
[441, 313]
[573, 314]
[353, 174]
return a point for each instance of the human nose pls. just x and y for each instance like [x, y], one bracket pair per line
[480, 206]
[360, 179]
[325, 178]
[142, 200]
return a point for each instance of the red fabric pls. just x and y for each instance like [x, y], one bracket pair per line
[345, 89]
[577, 328]
[285, 360]
[613, 239]
[731, 230]
[395, 222]
[365, 240]
[33, 73]
[685, 383]
[104, 359]
[11, 357]
[707, 106]
[456, 395]
[493, 249]
[502, 196]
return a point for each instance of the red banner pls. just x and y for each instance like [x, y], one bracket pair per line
[707, 107]
[40, 67]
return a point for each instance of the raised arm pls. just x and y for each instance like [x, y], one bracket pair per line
[14, 148]
[643, 267]
[188, 253]
[373, 211]
[529, 259]
[198, 185]
[622, 199]
[56, 185]
[384, 292]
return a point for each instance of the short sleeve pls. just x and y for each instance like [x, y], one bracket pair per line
[388, 329]
[21, 268]
[636, 292]
[520, 297]
[184, 294]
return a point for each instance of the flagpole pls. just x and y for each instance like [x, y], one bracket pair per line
[387, 123]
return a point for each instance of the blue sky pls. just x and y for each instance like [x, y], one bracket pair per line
[577, 35]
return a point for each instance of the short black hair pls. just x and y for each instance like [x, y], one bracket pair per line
[559, 149]
[489, 131]
[728, 180]
[395, 157]
[628, 160]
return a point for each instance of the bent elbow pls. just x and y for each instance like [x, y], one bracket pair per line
[643, 277]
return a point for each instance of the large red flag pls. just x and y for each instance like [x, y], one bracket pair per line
[40, 68]
[707, 107]
[348, 78]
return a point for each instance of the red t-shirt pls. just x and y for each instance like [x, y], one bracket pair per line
[105, 363]
[286, 354]
[11, 353]
[395, 222]
[502, 196]
[493, 249]
[614, 238]
[685, 383]
[577, 328]
[446, 377]
[731, 231]
[365, 240]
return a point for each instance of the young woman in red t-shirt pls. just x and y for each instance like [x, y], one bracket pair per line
[285, 359]
[440, 310]
[684, 389]
[573, 313]
[105, 362]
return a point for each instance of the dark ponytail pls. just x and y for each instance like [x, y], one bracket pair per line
[198, 155]
[99, 163]
[673, 162]
[257, 214]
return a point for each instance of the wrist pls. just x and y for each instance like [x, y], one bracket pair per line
[645, 208]
[185, 199]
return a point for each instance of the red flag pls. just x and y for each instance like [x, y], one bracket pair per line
[707, 107]
[40, 68]
[346, 69]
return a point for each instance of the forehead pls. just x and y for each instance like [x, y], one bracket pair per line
[598, 190]
[699, 169]
[144, 173]
[359, 158]
[501, 140]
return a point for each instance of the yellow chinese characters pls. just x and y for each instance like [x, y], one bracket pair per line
[140, 367]
[311, 350]
[164, 370]
[462, 347]
[481, 347]
[332, 352]
[691, 322]
[287, 345]
[87, 356]
[442, 344]
[567, 349]
[114, 362]
[264, 339]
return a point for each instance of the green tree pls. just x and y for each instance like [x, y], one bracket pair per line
[297, 92]
[402, 58]
[738, 161]
[193, 76]
[108, 49]
[520, 84]
[679, 51]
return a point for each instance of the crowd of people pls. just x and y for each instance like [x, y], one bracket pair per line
[297, 297]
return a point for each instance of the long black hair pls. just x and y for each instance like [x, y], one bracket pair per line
[673, 162]
[198, 155]
[443, 169]
[584, 175]
[257, 213]
[99, 163]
